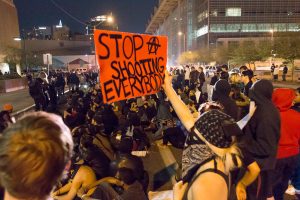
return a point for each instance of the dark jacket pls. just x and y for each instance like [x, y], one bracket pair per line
[201, 77]
[221, 94]
[214, 79]
[247, 88]
[194, 76]
[263, 130]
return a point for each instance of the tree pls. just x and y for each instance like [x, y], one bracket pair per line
[15, 56]
[287, 46]
[222, 54]
[188, 57]
[250, 51]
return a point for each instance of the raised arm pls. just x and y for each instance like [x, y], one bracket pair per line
[180, 108]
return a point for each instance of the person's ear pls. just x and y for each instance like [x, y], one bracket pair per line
[68, 166]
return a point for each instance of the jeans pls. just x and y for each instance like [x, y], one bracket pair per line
[283, 172]
[296, 177]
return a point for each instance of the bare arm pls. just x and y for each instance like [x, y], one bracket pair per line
[110, 180]
[250, 176]
[77, 183]
[180, 108]
[64, 189]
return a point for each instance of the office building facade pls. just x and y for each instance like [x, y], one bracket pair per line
[193, 24]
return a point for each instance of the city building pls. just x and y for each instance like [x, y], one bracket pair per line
[193, 24]
[39, 33]
[60, 32]
[104, 22]
[9, 29]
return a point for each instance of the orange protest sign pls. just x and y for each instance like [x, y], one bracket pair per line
[131, 65]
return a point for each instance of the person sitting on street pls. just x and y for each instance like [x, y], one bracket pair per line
[34, 152]
[81, 177]
[124, 178]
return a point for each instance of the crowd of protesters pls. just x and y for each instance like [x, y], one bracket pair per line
[240, 140]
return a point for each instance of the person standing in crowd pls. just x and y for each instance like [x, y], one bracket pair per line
[60, 85]
[261, 138]
[296, 176]
[284, 72]
[37, 93]
[73, 81]
[235, 79]
[213, 81]
[272, 70]
[208, 154]
[224, 74]
[201, 78]
[187, 72]
[34, 152]
[243, 68]
[194, 77]
[221, 94]
[276, 73]
[288, 147]
[247, 76]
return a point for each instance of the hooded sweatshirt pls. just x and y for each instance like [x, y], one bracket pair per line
[263, 130]
[290, 123]
[221, 94]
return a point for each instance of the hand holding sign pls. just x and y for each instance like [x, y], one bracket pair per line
[131, 65]
[167, 80]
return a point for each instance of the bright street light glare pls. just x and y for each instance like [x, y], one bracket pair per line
[110, 19]
[17, 39]
[180, 33]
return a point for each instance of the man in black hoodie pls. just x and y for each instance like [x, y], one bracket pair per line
[220, 94]
[261, 138]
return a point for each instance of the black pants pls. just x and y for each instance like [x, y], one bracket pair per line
[40, 102]
[186, 82]
[283, 172]
[261, 189]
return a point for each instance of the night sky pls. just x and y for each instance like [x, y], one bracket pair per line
[131, 15]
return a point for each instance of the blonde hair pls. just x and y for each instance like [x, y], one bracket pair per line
[33, 155]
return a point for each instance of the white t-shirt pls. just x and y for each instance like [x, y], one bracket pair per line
[187, 74]
[276, 71]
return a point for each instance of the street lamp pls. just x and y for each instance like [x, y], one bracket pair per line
[19, 39]
[272, 34]
[180, 33]
[110, 19]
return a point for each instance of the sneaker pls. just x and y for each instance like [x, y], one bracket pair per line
[291, 190]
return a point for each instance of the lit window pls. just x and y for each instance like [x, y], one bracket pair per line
[202, 31]
[233, 28]
[214, 13]
[249, 28]
[218, 28]
[233, 12]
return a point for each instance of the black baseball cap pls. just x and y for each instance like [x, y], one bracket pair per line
[248, 73]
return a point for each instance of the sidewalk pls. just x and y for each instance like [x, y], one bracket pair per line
[281, 84]
[19, 99]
